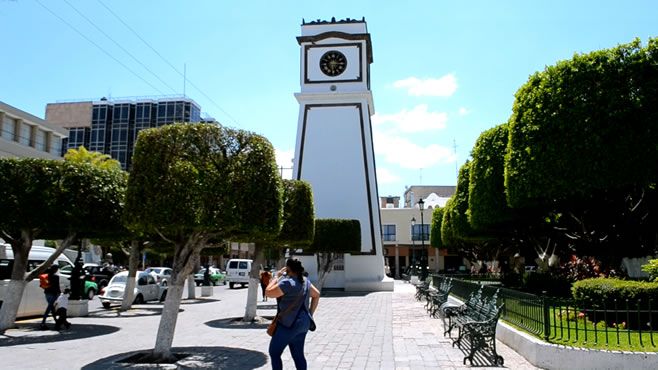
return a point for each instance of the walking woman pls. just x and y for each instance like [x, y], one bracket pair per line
[292, 292]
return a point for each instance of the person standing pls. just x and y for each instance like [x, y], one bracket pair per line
[294, 316]
[62, 305]
[52, 291]
[265, 277]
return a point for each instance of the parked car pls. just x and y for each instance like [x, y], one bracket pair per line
[216, 276]
[161, 274]
[33, 302]
[146, 289]
[237, 272]
[101, 275]
[91, 289]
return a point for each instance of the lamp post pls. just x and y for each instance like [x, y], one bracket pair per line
[423, 257]
[413, 246]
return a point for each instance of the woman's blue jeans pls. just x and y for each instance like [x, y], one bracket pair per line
[293, 337]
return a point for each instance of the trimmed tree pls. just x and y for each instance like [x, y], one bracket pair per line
[296, 230]
[435, 231]
[333, 238]
[487, 203]
[43, 199]
[582, 143]
[194, 183]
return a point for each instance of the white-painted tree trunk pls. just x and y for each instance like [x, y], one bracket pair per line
[326, 263]
[10, 304]
[167, 327]
[250, 309]
[182, 267]
[133, 261]
[191, 287]
[20, 276]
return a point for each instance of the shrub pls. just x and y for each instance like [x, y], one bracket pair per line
[619, 298]
[597, 292]
[651, 268]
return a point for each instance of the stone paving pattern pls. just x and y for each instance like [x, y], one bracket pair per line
[384, 330]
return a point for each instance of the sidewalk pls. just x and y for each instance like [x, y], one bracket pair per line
[355, 331]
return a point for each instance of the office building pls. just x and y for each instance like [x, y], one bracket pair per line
[26, 136]
[111, 126]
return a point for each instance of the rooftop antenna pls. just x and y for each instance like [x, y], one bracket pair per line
[421, 176]
[184, 77]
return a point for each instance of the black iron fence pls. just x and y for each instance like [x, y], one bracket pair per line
[625, 325]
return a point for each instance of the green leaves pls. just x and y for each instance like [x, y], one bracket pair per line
[584, 125]
[298, 216]
[204, 178]
[55, 197]
[336, 236]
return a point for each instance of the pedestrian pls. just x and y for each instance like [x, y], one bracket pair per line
[51, 291]
[61, 306]
[265, 277]
[294, 317]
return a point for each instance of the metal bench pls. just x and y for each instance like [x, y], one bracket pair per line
[476, 320]
[438, 297]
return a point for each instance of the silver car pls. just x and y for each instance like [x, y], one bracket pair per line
[161, 274]
[146, 289]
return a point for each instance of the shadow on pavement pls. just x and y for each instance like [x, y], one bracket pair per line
[133, 312]
[480, 359]
[198, 301]
[197, 357]
[31, 334]
[261, 322]
[340, 293]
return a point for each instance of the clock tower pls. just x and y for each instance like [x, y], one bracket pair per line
[334, 149]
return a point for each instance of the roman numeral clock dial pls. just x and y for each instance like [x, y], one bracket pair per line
[333, 63]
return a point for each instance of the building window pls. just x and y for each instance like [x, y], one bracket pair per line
[25, 134]
[40, 140]
[416, 232]
[8, 128]
[388, 232]
[55, 145]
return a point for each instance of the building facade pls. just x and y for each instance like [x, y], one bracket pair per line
[111, 127]
[26, 136]
[406, 234]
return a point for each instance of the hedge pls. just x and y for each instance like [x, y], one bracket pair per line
[599, 291]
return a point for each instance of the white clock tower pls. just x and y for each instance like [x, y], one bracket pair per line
[334, 150]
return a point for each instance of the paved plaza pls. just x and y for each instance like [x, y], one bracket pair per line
[386, 330]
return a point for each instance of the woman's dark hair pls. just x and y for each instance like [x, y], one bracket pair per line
[296, 267]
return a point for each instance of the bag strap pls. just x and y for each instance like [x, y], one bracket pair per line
[287, 310]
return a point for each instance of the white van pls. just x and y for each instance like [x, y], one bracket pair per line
[33, 301]
[237, 272]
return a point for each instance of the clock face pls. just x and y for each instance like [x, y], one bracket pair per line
[333, 63]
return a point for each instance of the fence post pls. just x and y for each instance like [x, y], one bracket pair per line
[547, 316]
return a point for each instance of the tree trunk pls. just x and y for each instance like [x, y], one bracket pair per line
[254, 283]
[182, 266]
[14, 294]
[326, 263]
[133, 261]
[167, 326]
[191, 285]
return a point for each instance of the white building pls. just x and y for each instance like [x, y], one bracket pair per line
[26, 136]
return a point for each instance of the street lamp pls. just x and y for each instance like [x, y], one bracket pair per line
[423, 257]
[413, 246]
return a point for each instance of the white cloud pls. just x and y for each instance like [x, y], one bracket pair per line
[463, 111]
[404, 153]
[443, 86]
[384, 176]
[417, 119]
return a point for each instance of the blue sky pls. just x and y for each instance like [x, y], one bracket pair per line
[443, 71]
